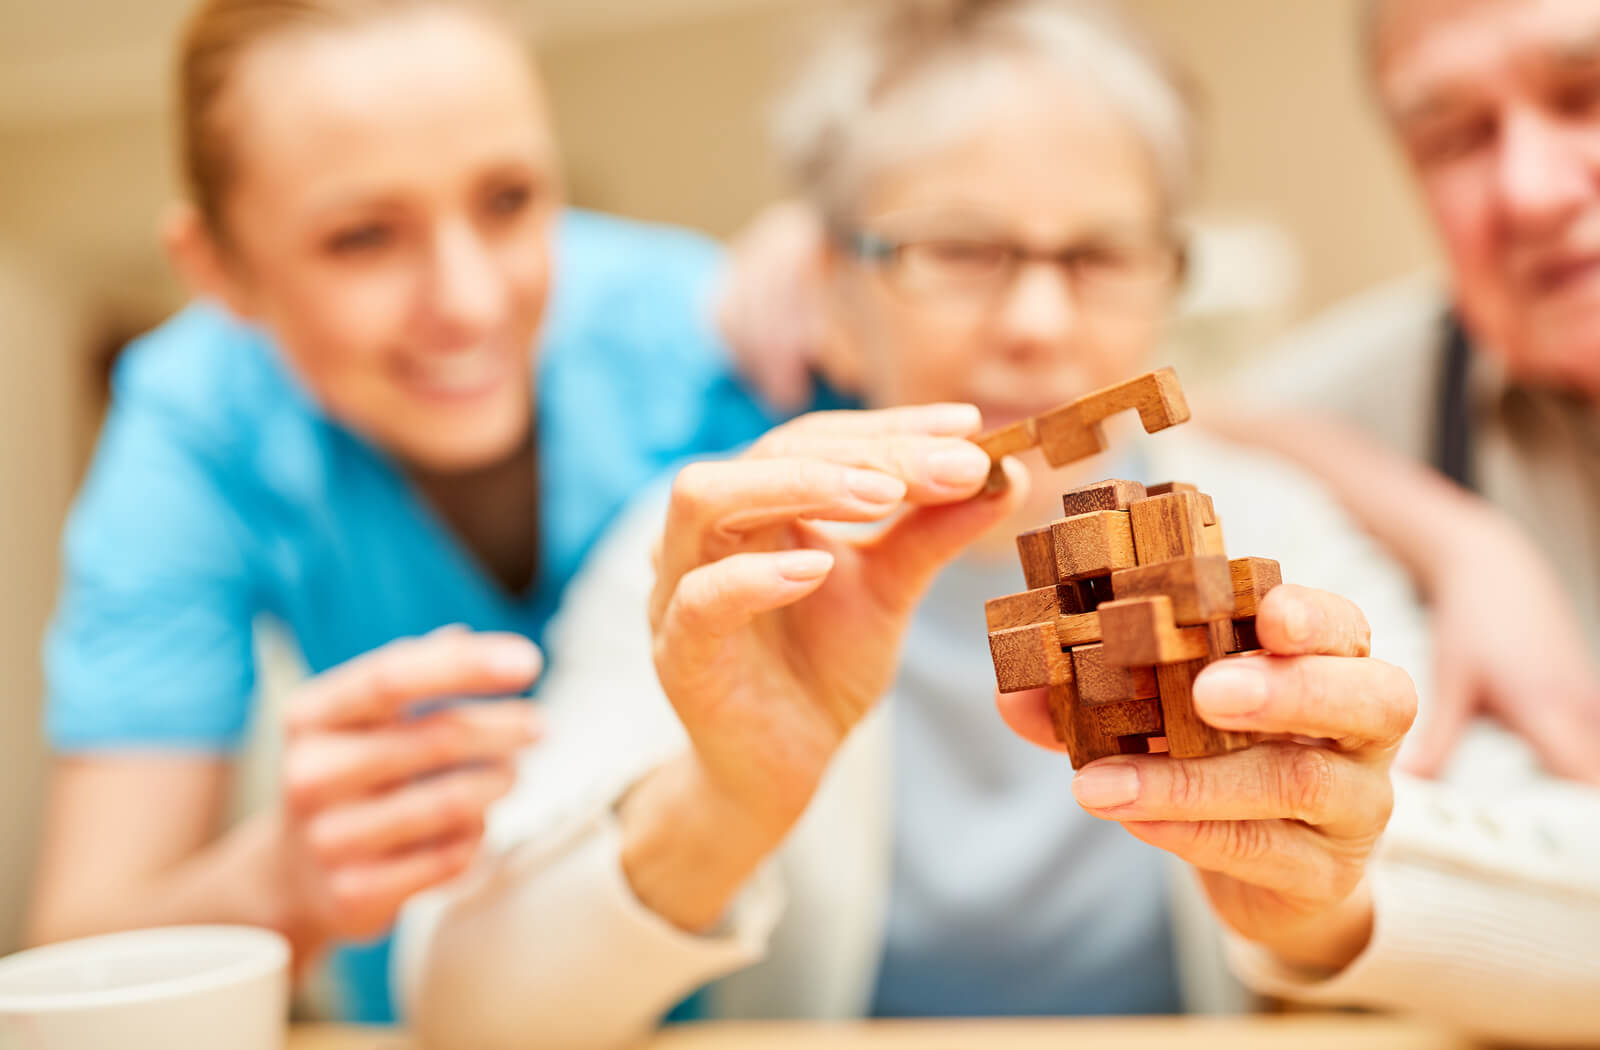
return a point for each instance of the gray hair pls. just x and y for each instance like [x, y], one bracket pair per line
[841, 121]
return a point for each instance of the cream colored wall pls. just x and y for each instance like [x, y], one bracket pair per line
[664, 123]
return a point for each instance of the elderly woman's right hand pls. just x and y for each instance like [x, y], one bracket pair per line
[773, 636]
[381, 801]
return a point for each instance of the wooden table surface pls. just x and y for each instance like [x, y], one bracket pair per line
[1302, 1032]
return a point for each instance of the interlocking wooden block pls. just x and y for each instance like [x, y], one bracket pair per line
[1007, 441]
[1128, 718]
[1094, 544]
[1187, 735]
[1167, 526]
[1164, 487]
[1141, 632]
[1212, 540]
[1036, 606]
[1244, 636]
[1252, 579]
[1201, 588]
[1073, 431]
[1028, 658]
[1107, 495]
[1101, 682]
[1078, 629]
[1037, 549]
[1078, 727]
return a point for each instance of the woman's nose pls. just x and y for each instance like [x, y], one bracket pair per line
[467, 291]
[1039, 311]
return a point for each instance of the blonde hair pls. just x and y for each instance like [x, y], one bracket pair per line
[218, 34]
[840, 121]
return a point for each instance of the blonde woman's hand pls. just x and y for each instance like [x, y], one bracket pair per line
[1281, 833]
[379, 801]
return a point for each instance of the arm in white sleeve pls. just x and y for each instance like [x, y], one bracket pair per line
[1487, 918]
[545, 943]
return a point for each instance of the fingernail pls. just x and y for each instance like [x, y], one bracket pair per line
[1228, 691]
[1103, 787]
[804, 566]
[514, 659]
[1297, 622]
[960, 466]
[870, 486]
[955, 420]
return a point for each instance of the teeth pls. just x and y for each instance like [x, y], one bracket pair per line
[461, 373]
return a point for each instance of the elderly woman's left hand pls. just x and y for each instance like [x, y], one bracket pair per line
[1281, 832]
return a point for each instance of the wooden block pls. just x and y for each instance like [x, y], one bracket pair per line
[1041, 605]
[1078, 629]
[1201, 588]
[1105, 495]
[1028, 658]
[1129, 717]
[1078, 728]
[1095, 544]
[1007, 441]
[1252, 579]
[1065, 436]
[1102, 682]
[1167, 526]
[1212, 540]
[1244, 636]
[1037, 549]
[1141, 631]
[1171, 486]
[1187, 735]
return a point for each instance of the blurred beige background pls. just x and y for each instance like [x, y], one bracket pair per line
[661, 106]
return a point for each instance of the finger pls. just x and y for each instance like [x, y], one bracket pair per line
[1295, 620]
[901, 562]
[1358, 704]
[421, 812]
[1279, 780]
[713, 601]
[1429, 746]
[1565, 732]
[934, 469]
[1279, 855]
[943, 419]
[388, 681]
[366, 897]
[1028, 715]
[322, 768]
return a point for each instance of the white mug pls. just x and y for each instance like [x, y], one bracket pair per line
[162, 989]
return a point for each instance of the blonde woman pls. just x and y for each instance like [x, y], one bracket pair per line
[410, 393]
[801, 793]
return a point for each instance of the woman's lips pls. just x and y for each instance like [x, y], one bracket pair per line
[458, 376]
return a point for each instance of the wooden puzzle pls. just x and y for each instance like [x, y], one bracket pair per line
[1129, 594]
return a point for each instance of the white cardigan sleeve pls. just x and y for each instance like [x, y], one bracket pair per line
[544, 942]
[1487, 918]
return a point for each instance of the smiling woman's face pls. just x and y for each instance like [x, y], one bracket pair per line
[389, 221]
[1048, 169]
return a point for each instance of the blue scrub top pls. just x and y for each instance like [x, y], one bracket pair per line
[219, 493]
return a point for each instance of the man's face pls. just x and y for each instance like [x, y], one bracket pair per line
[1497, 104]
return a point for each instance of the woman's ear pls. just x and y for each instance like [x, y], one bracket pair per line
[200, 260]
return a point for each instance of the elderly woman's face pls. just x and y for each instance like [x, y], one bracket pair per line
[1023, 265]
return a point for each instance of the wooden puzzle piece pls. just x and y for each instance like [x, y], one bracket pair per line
[1106, 495]
[1252, 579]
[1094, 544]
[1073, 431]
[1078, 728]
[1039, 605]
[1128, 718]
[1028, 657]
[1166, 526]
[1141, 632]
[1102, 682]
[1037, 549]
[1188, 736]
[1244, 636]
[1201, 588]
[1078, 629]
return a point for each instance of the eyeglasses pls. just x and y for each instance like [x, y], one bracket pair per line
[1106, 273]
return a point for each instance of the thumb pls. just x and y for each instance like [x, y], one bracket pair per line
[1428, 746]
[901, 563]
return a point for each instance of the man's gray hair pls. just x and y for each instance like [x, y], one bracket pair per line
[900, 77]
